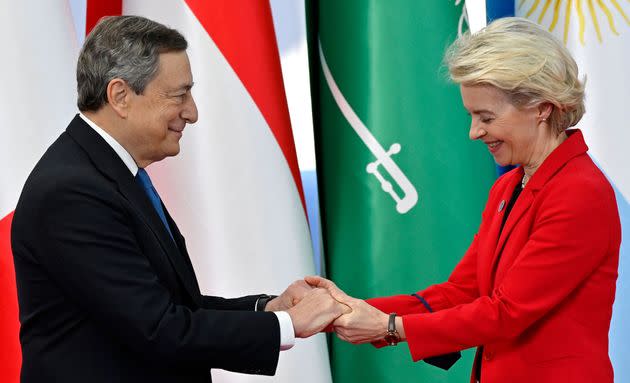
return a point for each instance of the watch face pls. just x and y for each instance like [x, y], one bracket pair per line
[392, 338]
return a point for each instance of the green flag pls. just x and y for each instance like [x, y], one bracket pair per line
[401, 185]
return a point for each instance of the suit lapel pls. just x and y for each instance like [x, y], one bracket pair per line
[136, 196]
[110, 164]
[181, 245]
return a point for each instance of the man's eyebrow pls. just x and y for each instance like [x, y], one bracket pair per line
[185, 87]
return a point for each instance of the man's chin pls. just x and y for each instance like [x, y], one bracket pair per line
[171, 151]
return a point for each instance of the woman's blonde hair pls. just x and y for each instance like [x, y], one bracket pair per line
[526, 62]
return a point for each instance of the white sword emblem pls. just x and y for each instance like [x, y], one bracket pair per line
[410, 195]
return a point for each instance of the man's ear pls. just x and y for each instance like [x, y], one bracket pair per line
[119, 96]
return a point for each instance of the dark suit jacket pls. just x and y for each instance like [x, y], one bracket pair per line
[105, 294]
[538, 295]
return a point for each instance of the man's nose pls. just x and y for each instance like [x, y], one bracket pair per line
[190, 113]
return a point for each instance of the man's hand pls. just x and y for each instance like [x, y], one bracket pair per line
[290, 297]
[364, 323]
[314, 312]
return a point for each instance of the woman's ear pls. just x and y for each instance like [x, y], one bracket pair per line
[544, 110]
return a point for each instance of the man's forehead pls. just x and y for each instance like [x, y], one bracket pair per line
[173, 58]
[174, 70]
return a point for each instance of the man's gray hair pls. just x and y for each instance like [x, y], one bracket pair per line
[125, 47]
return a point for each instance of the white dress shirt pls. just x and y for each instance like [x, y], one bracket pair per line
[287, 334]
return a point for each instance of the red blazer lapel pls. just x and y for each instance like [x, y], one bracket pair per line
[495, 211]
[488, 235]
[573, 147]
[521, 206]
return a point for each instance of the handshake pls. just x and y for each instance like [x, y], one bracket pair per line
[316, 304]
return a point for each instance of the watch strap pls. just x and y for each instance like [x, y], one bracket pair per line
[392, 337]
[262, 301]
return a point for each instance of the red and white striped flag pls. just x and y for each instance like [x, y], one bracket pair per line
[235, 189]
[38, 99]
[10, 355]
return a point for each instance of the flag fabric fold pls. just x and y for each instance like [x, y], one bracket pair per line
[10, 353]
[235, 189]
[37, 102]
[401, 185]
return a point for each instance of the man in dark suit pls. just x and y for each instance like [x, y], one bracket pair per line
[105, 285]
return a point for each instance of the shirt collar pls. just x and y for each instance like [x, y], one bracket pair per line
[118, 148]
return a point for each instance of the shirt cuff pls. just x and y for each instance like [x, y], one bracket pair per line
[287, 335]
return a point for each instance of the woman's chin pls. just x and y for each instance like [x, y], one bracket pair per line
[502, 162]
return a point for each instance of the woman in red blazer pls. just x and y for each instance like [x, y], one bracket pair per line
[534, 292]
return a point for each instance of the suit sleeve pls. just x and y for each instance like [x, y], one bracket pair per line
[245, 303]
[568, 240]
[93, 255]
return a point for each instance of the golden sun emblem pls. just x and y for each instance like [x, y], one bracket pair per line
[597, 9]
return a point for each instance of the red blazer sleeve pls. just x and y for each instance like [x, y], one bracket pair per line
[568, 239]
[460, 288]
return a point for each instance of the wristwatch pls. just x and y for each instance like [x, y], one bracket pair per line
[392, 337]
[262, 301]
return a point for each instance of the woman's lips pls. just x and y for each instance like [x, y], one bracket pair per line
[493, 146]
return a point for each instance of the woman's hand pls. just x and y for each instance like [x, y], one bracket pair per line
[363, 324]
